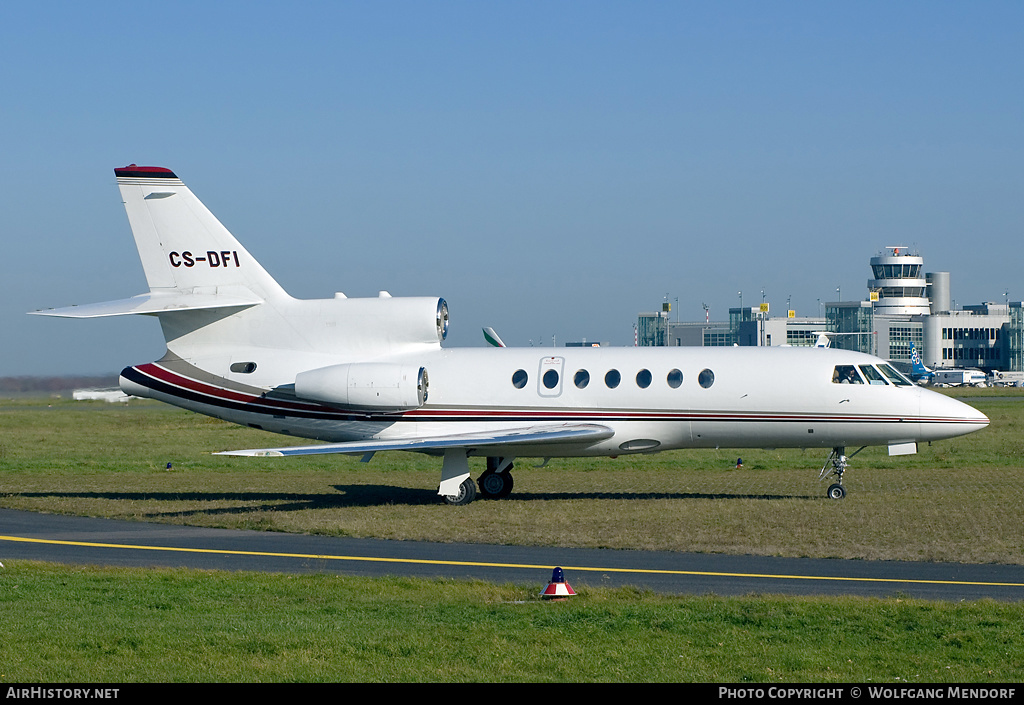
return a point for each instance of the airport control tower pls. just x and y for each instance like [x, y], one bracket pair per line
[900, 283]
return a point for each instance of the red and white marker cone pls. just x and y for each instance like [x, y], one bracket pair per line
[557, 588]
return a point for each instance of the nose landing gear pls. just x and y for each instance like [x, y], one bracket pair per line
[839, 462]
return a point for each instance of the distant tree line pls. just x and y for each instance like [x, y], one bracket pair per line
[52, 385]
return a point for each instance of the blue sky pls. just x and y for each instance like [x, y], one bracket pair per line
[550, 168]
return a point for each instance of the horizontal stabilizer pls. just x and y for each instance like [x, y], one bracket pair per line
[153, 303]
[532, 435]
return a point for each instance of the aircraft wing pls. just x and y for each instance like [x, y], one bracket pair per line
[505, 439]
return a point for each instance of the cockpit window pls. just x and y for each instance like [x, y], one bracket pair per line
[872, 375]
[846, 374]
[895, 377]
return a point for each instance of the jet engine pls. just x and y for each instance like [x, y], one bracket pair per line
[373, 327]
[366, 386]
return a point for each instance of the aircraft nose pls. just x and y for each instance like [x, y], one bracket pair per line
[948, 417]
[976, 416]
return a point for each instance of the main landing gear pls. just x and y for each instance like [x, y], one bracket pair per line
[839, 461]
[457, 487]
[496, 482]
[465, 495]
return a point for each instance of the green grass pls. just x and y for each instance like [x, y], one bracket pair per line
[956, 500]
[162, 625]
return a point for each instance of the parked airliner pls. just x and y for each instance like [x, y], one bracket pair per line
[363, 375]
[918, 371]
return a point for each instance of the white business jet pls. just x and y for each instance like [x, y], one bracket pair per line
[370, 374]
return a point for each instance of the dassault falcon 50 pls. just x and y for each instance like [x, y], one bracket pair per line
[362, 375]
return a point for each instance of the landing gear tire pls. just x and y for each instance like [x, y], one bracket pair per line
[495, 485]
[467, 493]
[836, 491]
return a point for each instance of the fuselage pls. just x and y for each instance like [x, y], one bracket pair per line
[652, 398]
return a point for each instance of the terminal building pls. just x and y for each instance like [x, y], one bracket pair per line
[905, 306]
[746, 326]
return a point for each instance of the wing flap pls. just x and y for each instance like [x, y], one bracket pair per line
[582, 434]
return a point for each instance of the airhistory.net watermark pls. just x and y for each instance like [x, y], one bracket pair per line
[53, 693]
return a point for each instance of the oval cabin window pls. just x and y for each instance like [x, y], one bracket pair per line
[519, 379]
[550, 379]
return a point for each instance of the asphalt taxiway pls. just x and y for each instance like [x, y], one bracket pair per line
[80, 540]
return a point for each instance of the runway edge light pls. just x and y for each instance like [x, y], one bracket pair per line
[557, 588]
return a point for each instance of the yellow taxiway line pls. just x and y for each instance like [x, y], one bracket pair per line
[480, 564]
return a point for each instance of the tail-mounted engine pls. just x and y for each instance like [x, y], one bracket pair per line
[366, 386]
[379, 326]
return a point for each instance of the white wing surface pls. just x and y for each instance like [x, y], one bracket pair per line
[507, 438]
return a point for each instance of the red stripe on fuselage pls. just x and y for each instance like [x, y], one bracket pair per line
[223, 394]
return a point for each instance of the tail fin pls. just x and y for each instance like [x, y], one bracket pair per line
[915, 360]
[191, 261]
[492, 338]
[181, 244]
[916, 366]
